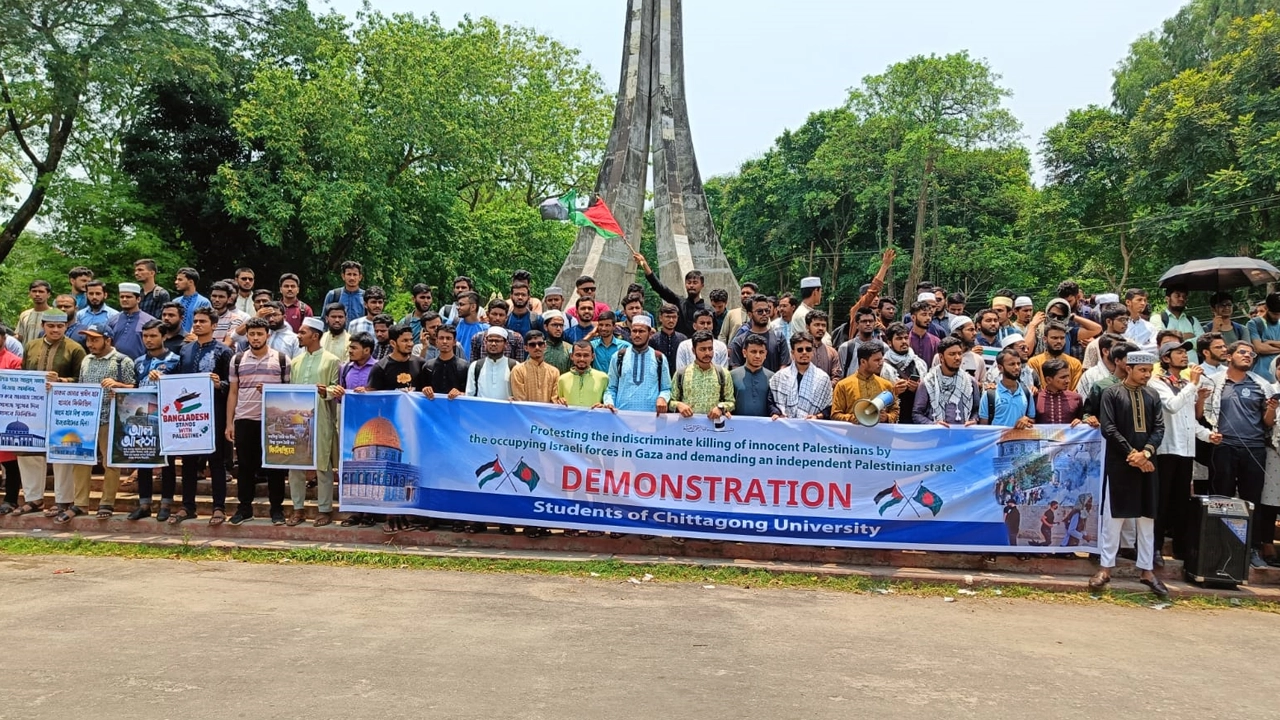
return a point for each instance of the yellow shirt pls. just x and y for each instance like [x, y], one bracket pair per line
[854, 388]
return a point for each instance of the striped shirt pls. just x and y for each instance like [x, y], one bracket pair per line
[250, 373]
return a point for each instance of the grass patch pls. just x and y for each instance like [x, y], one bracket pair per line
[607, 571]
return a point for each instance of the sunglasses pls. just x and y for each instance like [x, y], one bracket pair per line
[591, 288]
[536, 343]
[803, 349]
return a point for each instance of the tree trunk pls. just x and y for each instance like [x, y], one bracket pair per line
[893, 186]
[59, 132]
[922, 205]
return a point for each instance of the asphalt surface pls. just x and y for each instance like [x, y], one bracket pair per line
[132, 639]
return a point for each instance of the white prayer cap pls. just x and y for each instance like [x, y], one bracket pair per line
[496, 331]
[553, 290]
[314, 323]
[134, 288]
[1106, 298]
[1140, 358]
[810, 282]
[1011, 340]
[926, 297]
[1023, 301]
[53, 315]
[959, 321]
[551, 315]
[641, 320]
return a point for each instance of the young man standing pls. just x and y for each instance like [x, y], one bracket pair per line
[349, 296]
[421, 306]
[295, 311]
[702, 388]
[399, 370]
[171, 318]
[777, 352]
[1223, 309]
[335, 340]
[638, 377]
[1055, 342]
[687, 305]
[79, 277]
[375, 299]
[490, 375]
[810, 298]
[702, 322]
[185, 282]
[558, 350]
[446, 373]
[105, 366]
[1175, 317]
[158, 360]
[534, 380]
[1115, 320]
[497, 318]
[461, 284]
[738, 316]
[522, 318]
[29, 321]
[244, 291]
[1212, 348]
[96, 310]
[1176, 455]
[153, 296]
[467, 321]
[1056, 404]
[751, 393]
[865, 331]
[221, 298]
[585, 314]
[604, 343]
[800, 390]
[250, 370]
[210, 357]
[923, 343]
[1140, 331]
[825, 356]
[1263, 333]
[552, 299]
[865, 384]
[1013, 405]
[945, 395]
[126, 327]
[582, 385]
[667, 340]
[318, 368]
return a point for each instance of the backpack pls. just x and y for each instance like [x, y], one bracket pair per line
[475, 370]
[661, 359]
[720, 373]
[991, 402]
[235, 362]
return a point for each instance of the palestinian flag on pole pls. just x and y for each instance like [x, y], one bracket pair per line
[893, 494]
[527, 475]
[584, 211]
[490, 471]
[928, 499]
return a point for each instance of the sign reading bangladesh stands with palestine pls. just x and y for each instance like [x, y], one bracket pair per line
[977, 489]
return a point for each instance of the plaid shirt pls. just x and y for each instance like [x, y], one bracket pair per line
[114, 365]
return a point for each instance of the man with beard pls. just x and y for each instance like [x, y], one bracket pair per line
[1176, 456]
[973, 362]
[552, 299]
[825, 356]
[1140, 331]
[244, 290]
[777, 352]
[558, 350]
[687, 305]
[702, 388]
[1175, 317]
[399, 370]
[1055, 404]
[784, 309]
[1055, 342]
[585, 313]
[865, 332]
[1133, 427]
[582, 385]
[521, 319]
[639, 378]
[466, 321]
[1115, 320]
[800, 390]
[350, 296]
[923, 343]
[251, 369]
[96, 310]
[1242, 409]
[1263, 333]
[605, 343]
[425, 348]
[1024, 311]
[105, 366]
[901, 363]
[153, 296]
[282, 338]
[947, 396]
[988, 326]
[318, 368]
[667, 339]
[1008, 404]
[1016, 343]
[497, 315]
[865, 384]
[29, 320]
[421, 293]
[585, 286]
[887, 312]
[295, 311]
[205, 355]
[334, 340]
[158, 360]
[126, 327]
[171, 320]
[1212, 348]
[702, 322]
[382, 324]
[739, 316]
[375, 299]
[79, 277]
[490, 374]
[220, 297]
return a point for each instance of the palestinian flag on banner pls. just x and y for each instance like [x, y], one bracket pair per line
[928, 499]
[583, 211]
[893, 494]
[490, 471]
[527, 475]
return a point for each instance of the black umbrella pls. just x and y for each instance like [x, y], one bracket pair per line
[1220, 273]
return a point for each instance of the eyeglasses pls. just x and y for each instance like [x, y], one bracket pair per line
[1245, 353]
[802, 350]
[591, 288]
[534, 344]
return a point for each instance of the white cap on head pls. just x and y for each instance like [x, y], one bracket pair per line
[134, 288]
[1010, 340]
[810, 282]
[314, 323]
[1022, 301]
[496, 331]
[552, 291]
[642, 320]
[926, 297]
[1140, 358]
[959, 321]
[551, 315]
[1105, 298]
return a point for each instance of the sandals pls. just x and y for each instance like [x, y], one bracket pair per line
[218, 518]
[475, 527]
[67, 514]
[105, 512]
[55, 511]
[351, 520]
[395, 524]
[181, 516]
[166, 511]
[459, 527]
[296, 519]
[27, 509]
[142, 511]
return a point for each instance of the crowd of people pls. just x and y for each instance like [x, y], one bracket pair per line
[1177, 400]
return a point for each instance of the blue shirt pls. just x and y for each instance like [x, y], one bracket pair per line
[578, 332]
[126, 332]
[1011, 405]
[167, 364]
[86, 317]
[352, 301]
[605, 355]
[1259, 329]
[466, 331]
[524, 323]
[189, 304]
[638, 384]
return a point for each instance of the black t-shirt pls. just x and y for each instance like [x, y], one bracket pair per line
[389, 374]
[445, 375]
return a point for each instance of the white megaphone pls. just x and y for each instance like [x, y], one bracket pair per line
[868, 411]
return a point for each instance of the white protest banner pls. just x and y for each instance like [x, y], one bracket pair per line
[22, 409]
[72, 422]
[186, 414]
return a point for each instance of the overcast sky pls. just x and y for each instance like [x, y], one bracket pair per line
[754, 68]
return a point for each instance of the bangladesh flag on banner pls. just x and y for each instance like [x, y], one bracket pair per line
[591, 212]
[527, 475]
[929, 499]
[490, 471]
[893, 494]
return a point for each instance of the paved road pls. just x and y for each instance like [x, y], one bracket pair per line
[166, 639]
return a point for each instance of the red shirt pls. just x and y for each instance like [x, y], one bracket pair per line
[294, 314]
